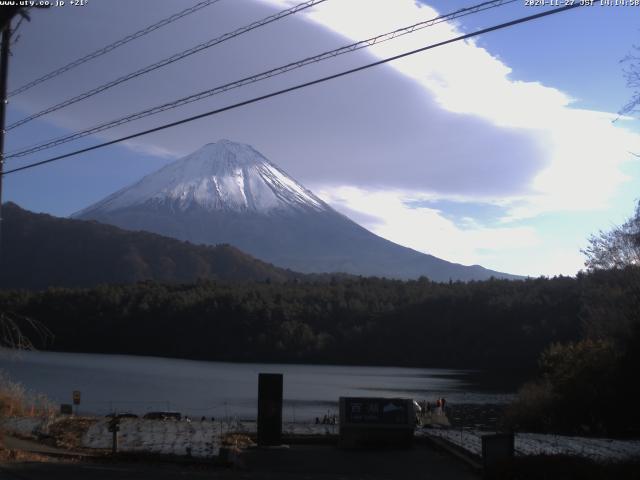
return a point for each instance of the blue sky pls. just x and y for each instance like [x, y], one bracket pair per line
[598, 38]
[499, 151]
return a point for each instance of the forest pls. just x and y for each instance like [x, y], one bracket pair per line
[578, 337]
[368, 321]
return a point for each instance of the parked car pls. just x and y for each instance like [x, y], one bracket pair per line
[162, 416]
[122, 415]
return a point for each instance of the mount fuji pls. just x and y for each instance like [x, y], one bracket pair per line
[228, 192]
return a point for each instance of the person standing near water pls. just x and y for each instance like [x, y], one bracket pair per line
[442, 403]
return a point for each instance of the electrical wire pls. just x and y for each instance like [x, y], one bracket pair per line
[297, 87]
[169, 60]
[113, 46]
[258, 77]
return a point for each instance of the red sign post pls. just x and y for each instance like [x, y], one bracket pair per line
[76, 399]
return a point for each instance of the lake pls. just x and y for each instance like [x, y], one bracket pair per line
[198, 388]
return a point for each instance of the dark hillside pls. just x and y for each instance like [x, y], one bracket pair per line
[40, 251]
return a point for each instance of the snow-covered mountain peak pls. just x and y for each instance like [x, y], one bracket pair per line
[223, 155]
[219, 176]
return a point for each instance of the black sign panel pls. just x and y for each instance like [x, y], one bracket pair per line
[377, 411]
[497, 449]
[269, 408]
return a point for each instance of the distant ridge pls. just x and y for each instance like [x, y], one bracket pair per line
[228, 192]
[40, 251]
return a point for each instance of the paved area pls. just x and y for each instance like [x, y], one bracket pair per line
[421, 461]
[13, 443]
[314, 462]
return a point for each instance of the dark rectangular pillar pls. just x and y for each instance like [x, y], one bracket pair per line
[497, 451]
[269, 409]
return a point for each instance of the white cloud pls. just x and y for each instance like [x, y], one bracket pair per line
[388, 214]
[149, 149]
[387, 125]
[448, 123]
[582, 151]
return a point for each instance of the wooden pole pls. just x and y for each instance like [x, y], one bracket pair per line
[4, 74]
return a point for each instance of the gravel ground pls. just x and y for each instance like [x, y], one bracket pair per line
[526, 444]
[476, 416]
[204, 439]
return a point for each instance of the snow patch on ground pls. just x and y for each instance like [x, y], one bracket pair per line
[162, 437]
[174, 438]
[203, 439]
[27, 425]
[288, 428]
[600, 449]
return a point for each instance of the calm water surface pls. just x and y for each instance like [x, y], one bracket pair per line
[141, 384]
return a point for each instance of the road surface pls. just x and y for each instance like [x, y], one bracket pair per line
[313, 462]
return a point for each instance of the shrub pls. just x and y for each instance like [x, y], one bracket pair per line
[586, 387]
[532, 409]
[15, 401]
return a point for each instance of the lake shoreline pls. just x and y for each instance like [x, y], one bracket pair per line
[141, 384]
[508, 373]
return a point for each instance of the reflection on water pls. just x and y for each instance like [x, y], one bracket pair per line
[140, 384]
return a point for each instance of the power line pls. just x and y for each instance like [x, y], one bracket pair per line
[169, 60]
[297, 87]
[113, 46]
[258, 77]
[261, 76]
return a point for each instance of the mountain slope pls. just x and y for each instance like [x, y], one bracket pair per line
[229, 193]
[223, 176]
[39, 251]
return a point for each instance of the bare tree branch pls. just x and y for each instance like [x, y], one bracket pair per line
[631, 72]
[20, 332]
[617, 248]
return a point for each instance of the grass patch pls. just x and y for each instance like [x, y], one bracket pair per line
[16, 401]
[8, 456]
[68, 432]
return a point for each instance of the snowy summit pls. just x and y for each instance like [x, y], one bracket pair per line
[225, 176]
[228, 192]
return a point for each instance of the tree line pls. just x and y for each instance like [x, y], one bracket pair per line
[372, 321]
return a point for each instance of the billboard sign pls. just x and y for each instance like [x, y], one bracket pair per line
[376, 411]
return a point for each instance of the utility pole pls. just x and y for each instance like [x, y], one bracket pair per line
[4, 74]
